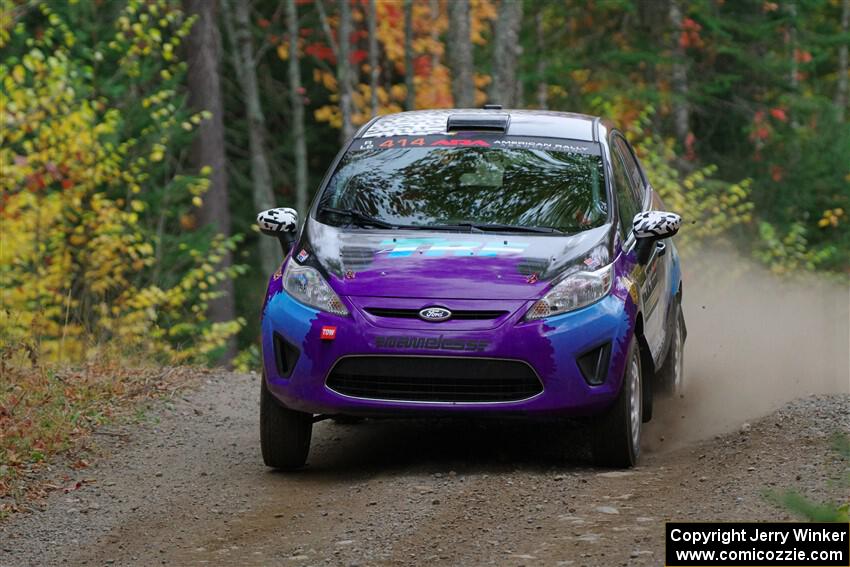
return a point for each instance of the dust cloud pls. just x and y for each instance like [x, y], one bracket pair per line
[755, 342]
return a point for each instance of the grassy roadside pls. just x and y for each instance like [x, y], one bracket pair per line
[46, 416]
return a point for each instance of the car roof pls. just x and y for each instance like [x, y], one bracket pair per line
[536, 123]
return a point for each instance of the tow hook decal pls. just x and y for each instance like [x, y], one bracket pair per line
[328, 333]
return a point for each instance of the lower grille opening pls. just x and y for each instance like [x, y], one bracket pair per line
[434, 379]
[285, 356]
[594, 364]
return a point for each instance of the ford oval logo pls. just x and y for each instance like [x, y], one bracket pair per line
[434, 314]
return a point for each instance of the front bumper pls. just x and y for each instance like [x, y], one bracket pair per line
[550, 347]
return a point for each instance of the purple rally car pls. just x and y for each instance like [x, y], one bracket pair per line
[478, 263]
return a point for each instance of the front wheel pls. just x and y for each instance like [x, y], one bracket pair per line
[284, 433]
[617, 431]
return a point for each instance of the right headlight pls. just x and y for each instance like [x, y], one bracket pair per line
[307, 285]
[575, 291]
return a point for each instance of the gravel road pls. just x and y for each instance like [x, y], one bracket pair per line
[188, 488]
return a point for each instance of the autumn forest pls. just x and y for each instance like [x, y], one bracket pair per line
[140, 137]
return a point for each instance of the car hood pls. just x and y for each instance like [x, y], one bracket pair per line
[446, 265]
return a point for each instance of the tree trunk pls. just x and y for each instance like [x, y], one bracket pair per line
[203, 47]
[410, 97]
[296, 96]
[793, 73]
[460, 54]
[343, 70]
[373, 57]
[542, 86]
[679, 78]
[503, 89]
[841, 92]
[434, 13]
[246, 70]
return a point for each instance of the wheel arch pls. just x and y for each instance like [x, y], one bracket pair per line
[647, 367]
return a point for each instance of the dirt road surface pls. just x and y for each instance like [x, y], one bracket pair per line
[188, 488]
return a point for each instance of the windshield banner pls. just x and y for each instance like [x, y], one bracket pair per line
[476, 140]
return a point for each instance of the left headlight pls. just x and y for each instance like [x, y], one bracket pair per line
[307, 285]
[577, 290]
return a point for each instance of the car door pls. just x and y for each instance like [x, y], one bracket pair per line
[655, 287]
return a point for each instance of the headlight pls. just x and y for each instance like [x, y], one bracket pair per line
[308, 286]
[572, 292]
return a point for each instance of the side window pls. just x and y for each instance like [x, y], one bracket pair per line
[628, 204]
[632, 168]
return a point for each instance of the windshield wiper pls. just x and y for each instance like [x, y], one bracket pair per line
[496, 227]
[358, 218]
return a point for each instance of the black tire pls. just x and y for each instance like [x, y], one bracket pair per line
[616, 439]
[671, 375]
[284, 433]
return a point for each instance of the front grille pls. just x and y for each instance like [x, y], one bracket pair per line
[434, 379]
[468, 315]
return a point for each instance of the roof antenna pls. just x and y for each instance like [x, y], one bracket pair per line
[492, 107]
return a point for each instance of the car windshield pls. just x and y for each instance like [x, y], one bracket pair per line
[491, 188]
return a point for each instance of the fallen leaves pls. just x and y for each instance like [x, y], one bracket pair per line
[46, 414]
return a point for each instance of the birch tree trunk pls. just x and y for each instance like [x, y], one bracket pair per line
[373, 57]
[246, 71]
[460, 54]
[203, 47]
[410, 87]
[679, 78]
[296, 97]
[841, 92]
[343, 70]
[503, 89]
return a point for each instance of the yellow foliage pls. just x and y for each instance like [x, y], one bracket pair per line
[432, 85]
[74, 253]
[482, 12]
[709, 207]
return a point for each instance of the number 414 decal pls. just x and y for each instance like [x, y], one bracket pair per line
[451, 143]
[401, 142]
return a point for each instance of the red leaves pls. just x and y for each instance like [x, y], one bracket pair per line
[422, 66]
[690, 147]
[358, 56]
[35, 182]
[321, 52]
[690, 38]
[776, 173]
[802, 56]
[779, 114]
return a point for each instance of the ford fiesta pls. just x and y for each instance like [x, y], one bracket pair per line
[479, 263]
